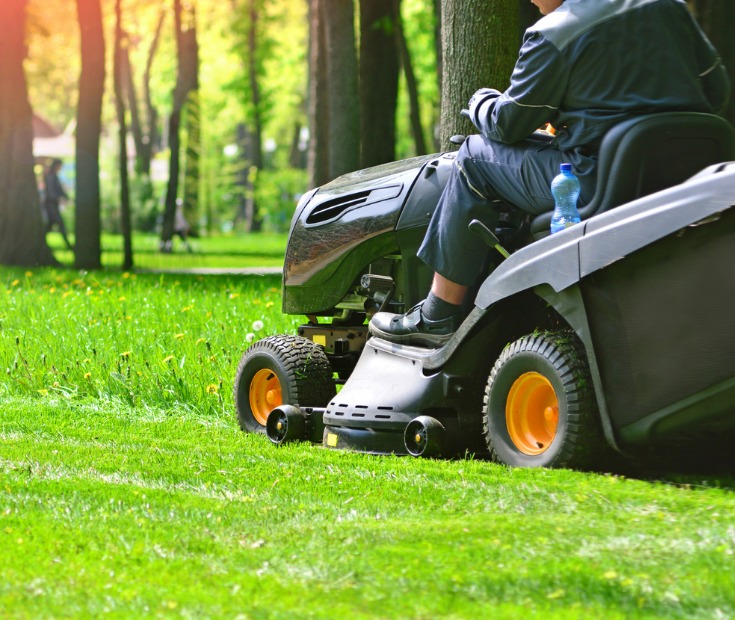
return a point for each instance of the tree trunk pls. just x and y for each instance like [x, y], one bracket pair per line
[378, 85]
[252, 219]
[528, 15]
[477, 52]
[717, 18]
[318, 154]
[128, 84]
[151, 140]
[119, 77]
[417, 128]
[87, 226]
[22, 239]
[193, 151]
[185, 82]
[344, 121]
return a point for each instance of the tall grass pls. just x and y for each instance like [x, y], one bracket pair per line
[142, 339]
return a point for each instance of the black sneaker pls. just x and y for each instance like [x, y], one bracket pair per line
[413, 328]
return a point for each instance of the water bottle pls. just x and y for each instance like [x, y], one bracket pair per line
[565, 189]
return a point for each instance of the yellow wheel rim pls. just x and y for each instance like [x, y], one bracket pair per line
[532, 413]
[265, 394]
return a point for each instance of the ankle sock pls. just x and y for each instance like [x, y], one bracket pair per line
[435, 309]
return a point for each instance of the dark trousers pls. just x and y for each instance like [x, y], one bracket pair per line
[485, 171]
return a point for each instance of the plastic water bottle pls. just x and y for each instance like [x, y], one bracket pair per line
[565, 189]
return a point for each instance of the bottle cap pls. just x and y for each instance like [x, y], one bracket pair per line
[566, 167]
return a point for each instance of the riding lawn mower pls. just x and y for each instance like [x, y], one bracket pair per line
[615, 333]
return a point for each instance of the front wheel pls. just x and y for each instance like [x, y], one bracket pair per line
[280, 370]
[540, 408]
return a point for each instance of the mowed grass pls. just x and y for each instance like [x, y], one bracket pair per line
[132, 493]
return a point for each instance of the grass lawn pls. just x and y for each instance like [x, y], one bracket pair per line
[127, 490]
[222, 251]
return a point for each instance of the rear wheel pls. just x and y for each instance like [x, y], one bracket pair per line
[280, 370]
[540, 408]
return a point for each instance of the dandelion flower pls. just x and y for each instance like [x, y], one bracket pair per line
[249, 337]
[257, 326]
[270, 304]
[87, 375]
[29, 274]
[212, 388]
[125, 354]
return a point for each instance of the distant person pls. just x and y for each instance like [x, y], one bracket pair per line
[181, 228]
[53, 195]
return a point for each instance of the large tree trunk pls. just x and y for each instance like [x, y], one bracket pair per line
[119, 78]
[318, 154]
[344, 121]
[22, 238]
[476, 52]
[528, 15]
[717, 18]
[378, 86]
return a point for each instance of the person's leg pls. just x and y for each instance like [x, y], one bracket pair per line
[484, 171]
[62, 230]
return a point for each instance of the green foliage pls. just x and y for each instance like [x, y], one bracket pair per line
[277, 192]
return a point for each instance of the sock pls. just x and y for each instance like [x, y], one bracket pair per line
[435, 309]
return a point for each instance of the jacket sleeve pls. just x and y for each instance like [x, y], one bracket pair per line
[713, 77]
[537, 87]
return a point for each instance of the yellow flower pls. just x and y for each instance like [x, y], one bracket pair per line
[270, 304]
[87, 375]
[29, 274]
[121, 298]
[211, 388]
[15, 283]
[125, 354]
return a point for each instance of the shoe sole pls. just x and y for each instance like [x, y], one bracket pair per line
[428, 340]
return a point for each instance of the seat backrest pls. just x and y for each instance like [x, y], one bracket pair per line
[645, 154]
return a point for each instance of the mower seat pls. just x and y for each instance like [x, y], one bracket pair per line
[645, 154]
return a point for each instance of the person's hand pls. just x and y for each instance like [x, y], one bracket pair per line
[477, 109]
